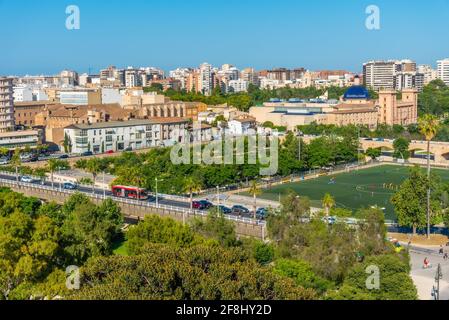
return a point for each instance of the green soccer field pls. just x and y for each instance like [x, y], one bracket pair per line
[354, 190]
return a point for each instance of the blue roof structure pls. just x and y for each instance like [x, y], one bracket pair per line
[356, 92]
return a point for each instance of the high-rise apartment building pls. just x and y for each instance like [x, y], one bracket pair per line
[379, 74]
[429, 73]
[6, 105]
[409, 80]
[132, 78]
[206, 79]
[443, 70]
[251, 76]
[392, 74]
[108, 73]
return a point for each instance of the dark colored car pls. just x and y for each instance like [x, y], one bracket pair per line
[239, 210]
[129, 149]
[64, 156]
[206, 204]
[87, 154]
[261, 213]
[224, 209]
[69, 186]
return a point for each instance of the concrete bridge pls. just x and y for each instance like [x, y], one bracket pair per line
[440, 150]
[133, 209]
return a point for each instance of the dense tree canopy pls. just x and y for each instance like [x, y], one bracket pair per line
[196, 273]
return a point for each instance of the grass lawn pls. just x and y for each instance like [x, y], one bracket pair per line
[354, 190]
[120, 248]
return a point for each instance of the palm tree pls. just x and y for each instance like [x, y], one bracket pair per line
[16, 162]
[41, 173]
[428, 126]
[52, 166]
[328, 203]
[254, 190]
[94, 167]
[192, 185]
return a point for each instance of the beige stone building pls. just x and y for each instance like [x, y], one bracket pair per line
[25, 112]
[54, 118]
[355, 107]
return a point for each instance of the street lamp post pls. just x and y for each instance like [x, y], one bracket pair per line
[104, 187]
[218, 195]
[157, 196]
[59, 173]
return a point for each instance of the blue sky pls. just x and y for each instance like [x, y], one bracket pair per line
[316, 34]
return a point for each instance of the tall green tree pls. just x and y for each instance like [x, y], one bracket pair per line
[428, 126]
[401, 148]
[411, 202]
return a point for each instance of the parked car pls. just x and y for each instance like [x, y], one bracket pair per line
[261, 213]
[224, 209]
[197, 205]
[64, 156]
[128, 149]
[87, 154]
[27, 179]
[4, 161]
[110, 152]
[206, 204]
[239, 210]
[26, 157]
[69, 186]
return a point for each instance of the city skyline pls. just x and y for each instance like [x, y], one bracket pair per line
[293, 34]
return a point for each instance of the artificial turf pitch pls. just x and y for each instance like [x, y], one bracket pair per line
[353, 190]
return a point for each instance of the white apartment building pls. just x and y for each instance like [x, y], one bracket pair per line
[20, 139]
[22, 94]
[239, 85]
[132, 78]
[429, 73]
[181, 74]
[379, 74]
[206, 79]
[392, 74]
[241, 126]
[121, 135]
[409, 80]
[443, 70]
[6, 105]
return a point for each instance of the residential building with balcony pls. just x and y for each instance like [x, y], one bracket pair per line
[122, 135]
[6, 105]
[21, 139]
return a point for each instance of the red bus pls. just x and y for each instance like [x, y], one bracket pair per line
[129, 192]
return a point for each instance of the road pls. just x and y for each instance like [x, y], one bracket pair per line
[424, 279]
[87, 189]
